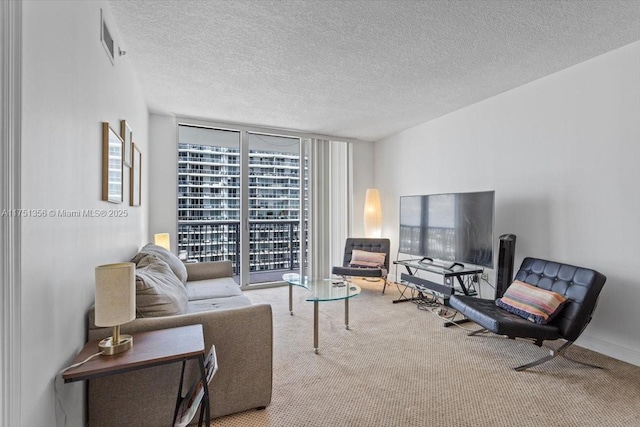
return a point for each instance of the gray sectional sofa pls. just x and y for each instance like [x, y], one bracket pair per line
[172, 294]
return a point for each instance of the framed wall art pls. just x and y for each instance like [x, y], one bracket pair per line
[135, 176]
[127, 136]
[112, 150]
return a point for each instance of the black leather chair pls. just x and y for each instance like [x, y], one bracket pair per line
[580, 285]
[369, 245]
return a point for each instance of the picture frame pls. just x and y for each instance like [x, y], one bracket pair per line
[127, 135]
[112, 169]
[135, 177]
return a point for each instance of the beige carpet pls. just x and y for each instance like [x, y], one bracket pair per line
[398, 366]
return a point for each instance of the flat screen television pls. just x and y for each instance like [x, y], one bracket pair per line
[448, 228]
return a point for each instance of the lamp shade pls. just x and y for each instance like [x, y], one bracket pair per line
[372, 214]
[115, 294]
[162, 239]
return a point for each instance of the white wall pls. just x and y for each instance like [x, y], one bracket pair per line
[163, 176]
[69, 88]
[562, 154]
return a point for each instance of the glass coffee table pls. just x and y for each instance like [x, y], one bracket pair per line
[322, 290]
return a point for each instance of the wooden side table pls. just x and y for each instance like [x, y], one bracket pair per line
[149, 349]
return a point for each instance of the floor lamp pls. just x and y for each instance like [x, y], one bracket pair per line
[372, 214]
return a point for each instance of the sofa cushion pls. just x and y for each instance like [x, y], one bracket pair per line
[218, 304]
[212, 288]
[531, 303]
[173, 261]
[208, 270]
[158, 290]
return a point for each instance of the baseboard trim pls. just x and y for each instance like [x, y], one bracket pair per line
[608, 349]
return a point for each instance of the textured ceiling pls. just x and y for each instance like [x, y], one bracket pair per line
[359, 69]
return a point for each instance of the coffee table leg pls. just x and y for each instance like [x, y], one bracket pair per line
[346, 313]
[315, 327]
[291, 300]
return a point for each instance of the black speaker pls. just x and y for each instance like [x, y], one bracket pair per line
[506, 255]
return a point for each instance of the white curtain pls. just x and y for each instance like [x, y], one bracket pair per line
[329, 204]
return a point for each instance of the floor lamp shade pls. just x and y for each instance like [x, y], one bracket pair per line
[115, 303]
[372, 214]
[162, 239]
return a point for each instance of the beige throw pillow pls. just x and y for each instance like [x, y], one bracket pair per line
[158, 290]
[173, 261]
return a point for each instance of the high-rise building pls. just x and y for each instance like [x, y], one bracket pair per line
[209, 206]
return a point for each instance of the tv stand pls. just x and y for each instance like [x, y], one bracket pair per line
[454, 274]
[430, 262]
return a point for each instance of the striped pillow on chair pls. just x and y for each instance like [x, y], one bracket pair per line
[366, 259]
[531, 303]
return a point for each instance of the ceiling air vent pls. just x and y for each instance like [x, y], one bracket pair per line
[106, 38]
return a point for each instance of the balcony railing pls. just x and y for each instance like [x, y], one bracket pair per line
[273, 245]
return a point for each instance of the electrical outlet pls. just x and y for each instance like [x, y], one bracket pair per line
[485, 277]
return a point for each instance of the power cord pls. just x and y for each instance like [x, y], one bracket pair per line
[424, 301]
[488, 282]
[448, 315]
[485, 278]
[75, 365]
[59, 375]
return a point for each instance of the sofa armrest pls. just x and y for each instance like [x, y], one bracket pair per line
[208, 270]
[244, 345]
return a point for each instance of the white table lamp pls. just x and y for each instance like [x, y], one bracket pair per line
[115, 304]
[162, 239]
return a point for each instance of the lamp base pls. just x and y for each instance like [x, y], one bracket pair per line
[109, 347]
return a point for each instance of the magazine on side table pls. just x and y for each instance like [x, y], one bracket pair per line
[191, 400]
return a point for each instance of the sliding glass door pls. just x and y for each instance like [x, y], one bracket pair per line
[274, 183]
[239, 200]
[208, 194]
